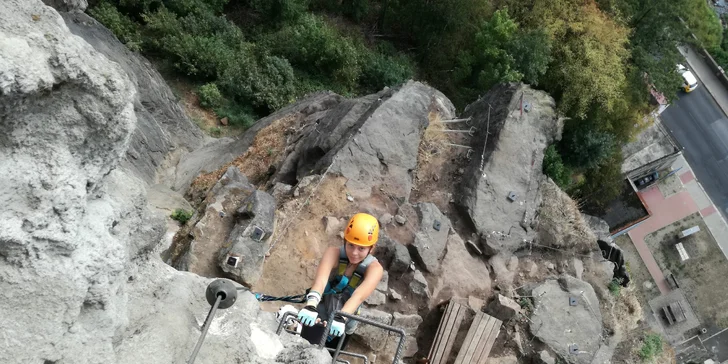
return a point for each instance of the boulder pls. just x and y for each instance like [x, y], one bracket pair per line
[508, 159]
[332, 225]
[385, 219]
[279, 191]
[372, 337]
[371, 140]
[249, 240]
[376, 298]
[461, 274]
[418, 285]
[475, 303]
[504, 269]
[503, 308]
[400, 219]
[400, 259]
[197, 250]
[431, 239]
[599, 227]
[410, 323]
[394, 295]
[558, 324]
[545, 358]
[384, 283]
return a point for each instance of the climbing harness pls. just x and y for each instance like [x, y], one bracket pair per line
[340, 283]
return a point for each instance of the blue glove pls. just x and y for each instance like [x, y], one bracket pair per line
[308, 315]
[338, 327]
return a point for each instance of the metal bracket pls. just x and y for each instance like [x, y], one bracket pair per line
[257, 234]
[573, 349]
[573, 301]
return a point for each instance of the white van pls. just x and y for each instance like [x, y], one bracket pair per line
[690, 83]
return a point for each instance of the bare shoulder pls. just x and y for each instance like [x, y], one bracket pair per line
[375, 268]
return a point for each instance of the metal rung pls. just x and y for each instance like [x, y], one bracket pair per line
[458, 145]
[467, 120]
[470, 131]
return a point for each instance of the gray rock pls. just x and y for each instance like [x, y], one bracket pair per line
[519, 343]
[165, 200]
[599, 227]
[503, 308]
[400, 259]
[475, 303]
[372, 337]
[210, 229]
[418, 285]
[578, 267]
[332, 225]
[504, 270]
[305, 185]
[67, 5]
[511, 159]
[546, 358]
[555, 322]
[279, 191]
[164, 132]
[385, 219]
[250, 238]
[509, 359]
[376, 298]
[400, 219]
[410, 323]
[429, 245]
[550, 266]
[394, 295]
[372, 140]
[384, 283]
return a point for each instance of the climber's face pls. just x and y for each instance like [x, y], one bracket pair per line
[356, 253]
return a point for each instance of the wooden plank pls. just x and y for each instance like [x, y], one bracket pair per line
[447, 331]
[438, 346]
[468, 350]
[490, 339]
[481, 353]
[438, 334]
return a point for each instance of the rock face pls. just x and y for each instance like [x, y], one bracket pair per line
[67, 5]
[509, 162]
[198, 250]
[460, 273]
[431, 239]
[373, 337]
[78, 281]
[372, 140]
[599, 227]
[250, 238]
[558, 324]
[503, 308]
[164, 133]
[561, 224]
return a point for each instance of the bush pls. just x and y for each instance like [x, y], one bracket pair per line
[210, 96]
[585, 147]
[181, 215]
[317, 48]
[280, 10]
[651, 347]
[355, 9]
[126, 30]
[615, 287]
[554, 167]
[237, 115]
[381, 70]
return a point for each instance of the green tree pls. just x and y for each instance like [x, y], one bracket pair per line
[531, 52]
[585, 147]
[704, 23]
[554, 167]
[280, 10]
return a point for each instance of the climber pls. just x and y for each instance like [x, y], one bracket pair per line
[345, 277]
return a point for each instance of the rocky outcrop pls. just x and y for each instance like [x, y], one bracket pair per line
[164, 133]
[197, 247]
[561, 224]
[67, 5]
[599, 227]
[431, 238]
[560, 324]
[77, 280]
[460, 273]
[372, 140]
[250, 238]
[500, 192]
[503, 308]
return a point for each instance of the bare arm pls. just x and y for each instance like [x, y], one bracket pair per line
[328, 262]
[372, 277]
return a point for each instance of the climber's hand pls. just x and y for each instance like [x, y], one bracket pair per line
[337, 329]
[308, 315]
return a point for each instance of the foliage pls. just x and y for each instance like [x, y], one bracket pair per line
[531, 52]
[210, 96]
[181, 215]
[554, 167]
[238, 115]
[703, 22]
[604, 183]
[122, 26]
[277, 11]
[589, 51]
[585, 147]
[382, 70]
[355, 9]
[651, 347]
[615, 287]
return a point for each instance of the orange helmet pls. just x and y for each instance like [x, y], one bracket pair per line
[362, 229]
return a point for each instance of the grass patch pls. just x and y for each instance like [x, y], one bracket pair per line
[615, 287]
[651, 347]
[181, 215]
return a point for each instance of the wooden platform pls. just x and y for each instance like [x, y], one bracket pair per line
[481, 336]
[446, 333]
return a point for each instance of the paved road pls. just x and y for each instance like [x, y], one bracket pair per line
[699, 124]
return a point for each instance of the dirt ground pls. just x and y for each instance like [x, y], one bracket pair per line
[702, 276]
